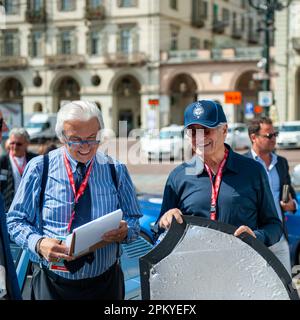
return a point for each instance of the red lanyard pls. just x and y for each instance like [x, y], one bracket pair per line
[20, 169]
[215, 187]
[81, 189]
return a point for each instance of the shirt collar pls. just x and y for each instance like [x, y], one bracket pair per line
[273, 157]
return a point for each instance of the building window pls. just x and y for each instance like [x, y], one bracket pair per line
[126, 3]
[11, 6]
[174, 4]
[36, 5]
[66, 5]
[66, 42]
[207, 44]
[93, 4]
[174, 38]
[127, 39]
[10, 43]
[225, 16]
[36, 44]
[194, 43]
[95, 43]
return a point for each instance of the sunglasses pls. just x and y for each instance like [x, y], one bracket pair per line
[18, 144]
[1, 123]
[269, 135]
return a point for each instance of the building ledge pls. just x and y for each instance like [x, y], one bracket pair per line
[13, 63]
[65, 61]
[118, 59]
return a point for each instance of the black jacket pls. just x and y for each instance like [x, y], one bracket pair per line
[284, 178]
[7, 185]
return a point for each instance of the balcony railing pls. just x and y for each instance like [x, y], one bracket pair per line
[39, 16]
[122, 59]
[13, 63]
[65, 61]
[253, 38]
[219, 26]
[233, 54]
[237, 33]
[97, 13]
[198, 22]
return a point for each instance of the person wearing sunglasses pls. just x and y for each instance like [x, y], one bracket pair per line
[263, 138]
[12, 164]
[9, 288]
[82, 184]
[228, 187]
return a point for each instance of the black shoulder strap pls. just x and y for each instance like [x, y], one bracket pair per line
[43, 187]
[113, 172]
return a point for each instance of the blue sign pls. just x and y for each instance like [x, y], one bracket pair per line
[249, 110]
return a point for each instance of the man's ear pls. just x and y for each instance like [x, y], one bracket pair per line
[225, 129]
[252, 137]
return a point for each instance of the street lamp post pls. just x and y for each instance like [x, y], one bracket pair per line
[267, 8]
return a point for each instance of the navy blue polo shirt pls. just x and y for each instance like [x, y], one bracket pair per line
[244, 198]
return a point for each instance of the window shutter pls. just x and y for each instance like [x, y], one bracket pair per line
[118, 42]
[59, 5]
[16, 45]
[58, 43]
[30, 45]
[73, 43]
[135, 41]
[88, 43]
[1, 44]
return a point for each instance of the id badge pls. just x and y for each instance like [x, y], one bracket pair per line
[59, 265]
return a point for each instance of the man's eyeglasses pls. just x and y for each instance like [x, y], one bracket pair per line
[193, 132]
[269, 135]
[80, 143]
[18, 144]
[1, 123]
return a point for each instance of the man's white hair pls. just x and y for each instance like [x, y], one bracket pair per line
[19, 132]
[77, 110]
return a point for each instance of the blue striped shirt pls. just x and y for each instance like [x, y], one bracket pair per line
[22, 218]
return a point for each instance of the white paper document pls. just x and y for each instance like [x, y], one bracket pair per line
[91, 233]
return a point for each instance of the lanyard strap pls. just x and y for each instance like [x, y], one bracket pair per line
[215, 187]
[20, 169]
[80, 191]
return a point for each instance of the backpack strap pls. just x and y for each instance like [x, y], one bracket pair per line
[42, 192]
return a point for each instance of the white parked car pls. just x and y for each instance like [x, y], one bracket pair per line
[168, 145]
[289, 135]
[237, 136]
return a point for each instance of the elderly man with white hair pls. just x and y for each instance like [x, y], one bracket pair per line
[12, 165]
[82, 185]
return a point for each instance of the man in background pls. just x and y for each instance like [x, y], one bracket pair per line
[263, 138]
[13, 164]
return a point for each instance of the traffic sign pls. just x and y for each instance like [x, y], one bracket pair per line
[258, 109]
[234, 97]
[265, 98]
[249, 110]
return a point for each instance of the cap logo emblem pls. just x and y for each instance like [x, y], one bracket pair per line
[198, 110]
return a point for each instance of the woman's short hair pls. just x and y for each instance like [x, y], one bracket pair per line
[77, 110]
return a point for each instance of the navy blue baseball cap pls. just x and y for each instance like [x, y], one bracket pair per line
[207, 113]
